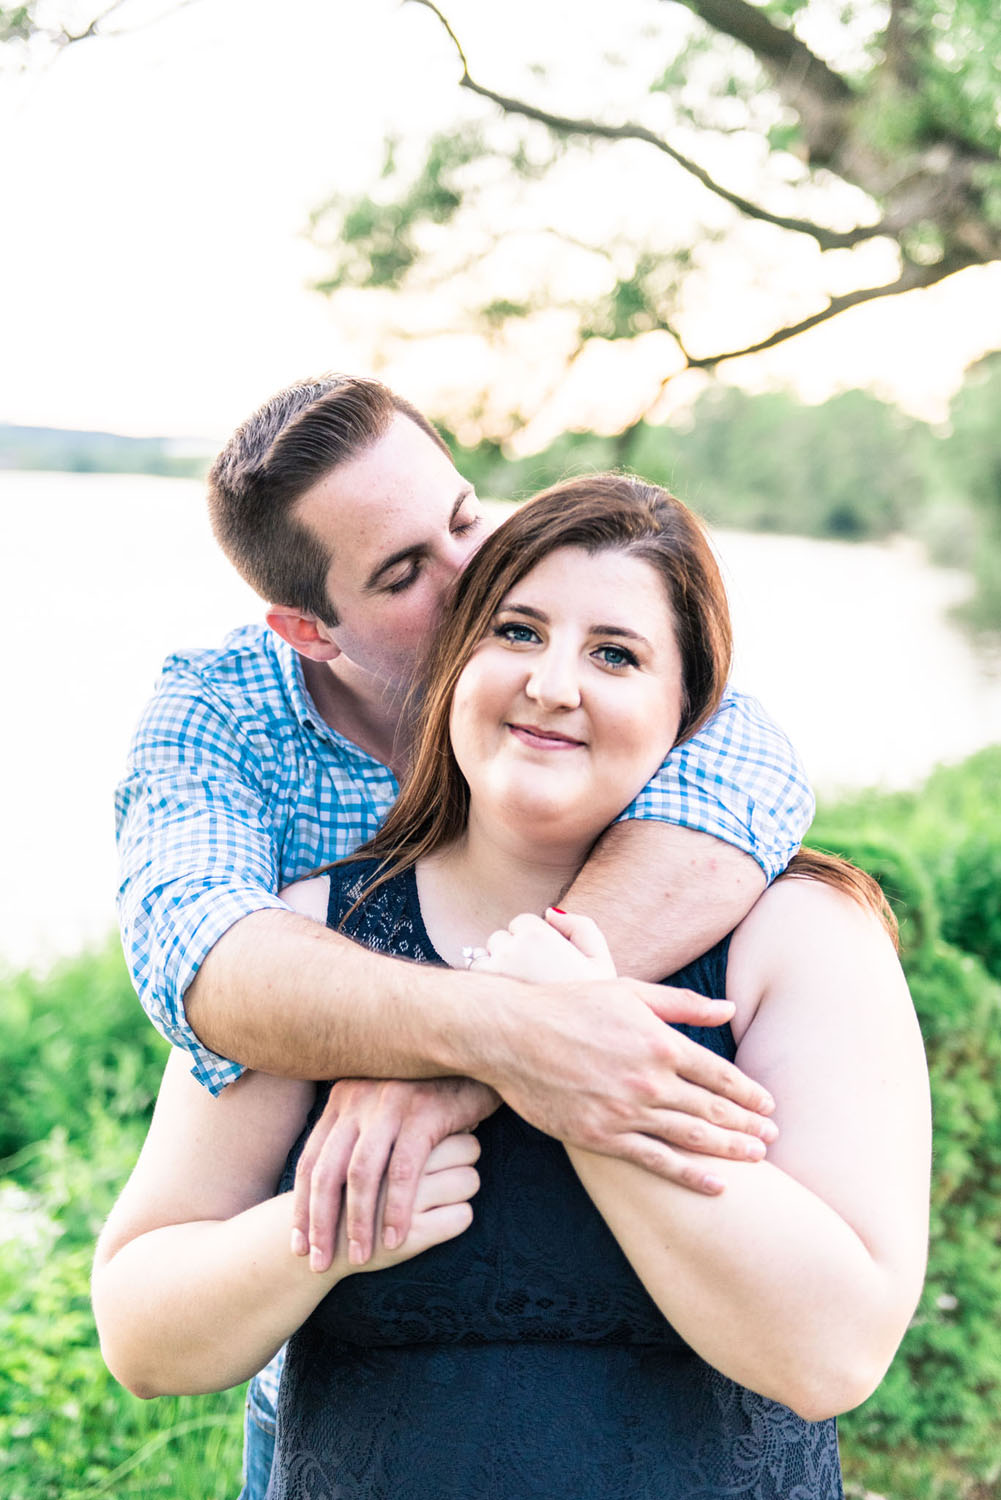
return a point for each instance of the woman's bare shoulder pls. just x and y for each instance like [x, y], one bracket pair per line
[308, 897]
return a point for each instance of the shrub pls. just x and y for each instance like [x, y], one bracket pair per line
[931, 1428]
[79, 1067]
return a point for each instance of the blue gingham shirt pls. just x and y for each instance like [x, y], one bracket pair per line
[235, 787]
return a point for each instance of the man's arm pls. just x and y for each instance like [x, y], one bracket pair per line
[693, 853]
[663, 894]
[589, 1061]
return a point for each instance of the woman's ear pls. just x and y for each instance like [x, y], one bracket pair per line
[305, 633]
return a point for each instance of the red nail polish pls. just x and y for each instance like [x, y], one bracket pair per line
[558, 909]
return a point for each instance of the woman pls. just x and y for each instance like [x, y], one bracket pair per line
[595, 1330]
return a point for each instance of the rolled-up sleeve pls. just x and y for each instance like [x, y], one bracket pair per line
[740, 780]
[196, 848]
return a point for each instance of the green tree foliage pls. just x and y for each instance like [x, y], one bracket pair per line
[852, 468]
[972, 452]
[840, 128]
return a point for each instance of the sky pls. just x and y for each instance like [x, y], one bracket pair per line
[154, 211]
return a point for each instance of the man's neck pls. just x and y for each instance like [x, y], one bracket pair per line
[365, 710]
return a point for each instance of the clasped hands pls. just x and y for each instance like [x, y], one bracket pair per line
[584, 1081]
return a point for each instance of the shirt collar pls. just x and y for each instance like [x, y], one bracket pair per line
[306, 712]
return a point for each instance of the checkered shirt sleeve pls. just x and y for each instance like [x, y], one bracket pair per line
[196, 854]
[738, 779]
[233, 788]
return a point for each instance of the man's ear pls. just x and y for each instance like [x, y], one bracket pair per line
[305, 633]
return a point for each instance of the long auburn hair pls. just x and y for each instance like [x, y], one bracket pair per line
[598, 513]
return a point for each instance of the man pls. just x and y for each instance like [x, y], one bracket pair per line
[257, 763]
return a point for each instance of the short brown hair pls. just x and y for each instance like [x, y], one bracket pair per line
[287, 446]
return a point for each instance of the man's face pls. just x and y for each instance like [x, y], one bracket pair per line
[399, 522]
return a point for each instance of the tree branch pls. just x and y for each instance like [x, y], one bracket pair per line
[66, 38]
[827, 239]
[911, 278]
[778, 48]
[820, 96]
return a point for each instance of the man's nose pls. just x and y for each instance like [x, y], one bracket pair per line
[554, 679]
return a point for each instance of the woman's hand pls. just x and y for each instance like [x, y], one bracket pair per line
[563, 946]
[372, 1143]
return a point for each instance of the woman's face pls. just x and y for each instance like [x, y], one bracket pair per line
[573, 697]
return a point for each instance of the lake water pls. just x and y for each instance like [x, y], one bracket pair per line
[849, 647]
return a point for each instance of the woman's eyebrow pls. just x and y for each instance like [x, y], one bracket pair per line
[524, 609]
[537, 614]
[623, 630]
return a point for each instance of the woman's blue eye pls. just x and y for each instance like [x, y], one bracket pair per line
[513, 631]
[616, 656]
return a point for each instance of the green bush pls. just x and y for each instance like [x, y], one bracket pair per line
[79, 1068]
[73, 1045]
[931, 1429]
[68, 1431]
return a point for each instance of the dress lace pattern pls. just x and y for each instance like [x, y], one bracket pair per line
[523, 1360]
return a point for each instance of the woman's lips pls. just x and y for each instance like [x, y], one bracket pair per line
[543, 739]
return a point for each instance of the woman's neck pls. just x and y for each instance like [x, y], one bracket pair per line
[487, 876]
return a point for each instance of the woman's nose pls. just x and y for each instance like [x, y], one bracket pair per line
[554, 681]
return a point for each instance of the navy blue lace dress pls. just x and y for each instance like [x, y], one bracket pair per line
[523, 1360]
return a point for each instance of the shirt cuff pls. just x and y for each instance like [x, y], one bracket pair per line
[188, 932]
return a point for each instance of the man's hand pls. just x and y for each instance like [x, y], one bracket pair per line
[373, 1130]
[592, 1064]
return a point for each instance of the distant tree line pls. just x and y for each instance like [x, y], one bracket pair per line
[69, 451]
[853, 469]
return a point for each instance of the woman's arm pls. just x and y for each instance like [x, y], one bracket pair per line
[195, 1286]
[798, 1281]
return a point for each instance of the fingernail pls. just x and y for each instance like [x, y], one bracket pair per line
[768, 1131]
[390, 1238]
[558, 910]
[767, 1104]
[754, 1149]
[355, 1253]
[300, 1244]
[316, 1258]
[713, 1184]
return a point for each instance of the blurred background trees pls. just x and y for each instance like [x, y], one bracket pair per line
[862, 140]
[796, 159]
